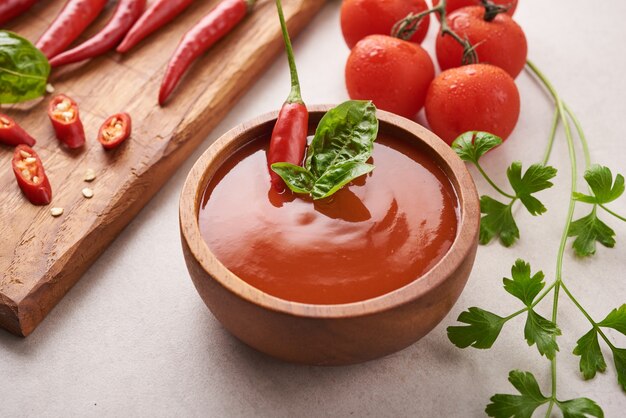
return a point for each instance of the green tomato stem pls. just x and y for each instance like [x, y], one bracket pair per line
[492, 183]
[295, 96]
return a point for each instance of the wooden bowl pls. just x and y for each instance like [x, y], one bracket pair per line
[330, 334]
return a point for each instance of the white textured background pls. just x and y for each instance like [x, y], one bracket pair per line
[134, 339]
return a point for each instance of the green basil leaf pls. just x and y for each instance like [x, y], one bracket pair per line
[24, 69]
[337, 176]
[298, 179]
[345, 133]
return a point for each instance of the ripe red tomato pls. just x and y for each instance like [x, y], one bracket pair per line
[500, 42]
[393, 73]
[360, 18]
[453, 5]
[478, 97]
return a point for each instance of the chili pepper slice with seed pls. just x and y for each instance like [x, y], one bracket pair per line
[288, 142]
[63, 113]
[210, 29]
[159, 13]
[31, 176]
[125, 14]
[68, 25]
[115, 130]
[13, 8]
[12, 134]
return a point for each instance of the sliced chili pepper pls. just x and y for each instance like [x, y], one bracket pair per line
[210, 29]
[68, 25]
[31, 176]
[63, 113]
[115, 130]
[12, 134]
[158, 14]
[13, 8]
[288, 142]
[125, 14]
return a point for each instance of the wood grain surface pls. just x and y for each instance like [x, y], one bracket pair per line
[42, 257]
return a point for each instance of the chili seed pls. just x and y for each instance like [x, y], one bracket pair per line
[88, 193]
[35, 179]
[30, 160]
[56, 212]
[26, 174]
[90, 175]
[25, 154]
[49, 88]
[5, 122]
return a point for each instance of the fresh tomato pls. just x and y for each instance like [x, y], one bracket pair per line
[63, 113]
[453, 5]
[31, 176]
[360, 18]
[500, 42]
[115, 130]
[393, 73]
[477, 97]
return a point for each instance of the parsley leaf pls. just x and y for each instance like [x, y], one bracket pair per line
[619, 357]
[498, 221]
[472, 145]
[481, 332]
[539, 330]
[587, 231]
[591, 358]
[580, 408]
[600, 180]
[523, 286]
[518, 406]
[616, 319]
[535, 179]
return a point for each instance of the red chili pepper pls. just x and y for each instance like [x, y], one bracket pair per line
[68, 25]
[159, 13]
[13, 8]
[201, 37]
[31, 176]
[125, 14]
[63, 113]
[288, 142]
[115, 130]
[12, 134]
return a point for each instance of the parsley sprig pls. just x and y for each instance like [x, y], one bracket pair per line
[498, 220]
[480, 328]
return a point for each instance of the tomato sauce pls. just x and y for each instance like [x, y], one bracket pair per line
[376, 235]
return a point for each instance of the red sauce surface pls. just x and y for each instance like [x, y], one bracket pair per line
[382, 232]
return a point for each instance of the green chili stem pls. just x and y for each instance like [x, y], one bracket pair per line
[295, 96]
[491, 182]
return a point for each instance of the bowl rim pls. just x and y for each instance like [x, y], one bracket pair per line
[466, 237]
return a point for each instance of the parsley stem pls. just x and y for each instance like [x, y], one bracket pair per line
[621, 218]
[535, 302]
[593, 323]
[570, 213]
[491, 182]
[555, 124]
[581, 135]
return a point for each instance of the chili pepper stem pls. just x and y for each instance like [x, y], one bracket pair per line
[295, 96]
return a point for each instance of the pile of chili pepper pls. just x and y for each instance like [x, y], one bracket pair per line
[65, 118]
[288, 142]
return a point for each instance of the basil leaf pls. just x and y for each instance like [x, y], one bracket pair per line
[345, 133]
[337, 176]
[24, 69]
[298, 179]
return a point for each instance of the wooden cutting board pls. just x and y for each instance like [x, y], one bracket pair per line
[42, 257]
